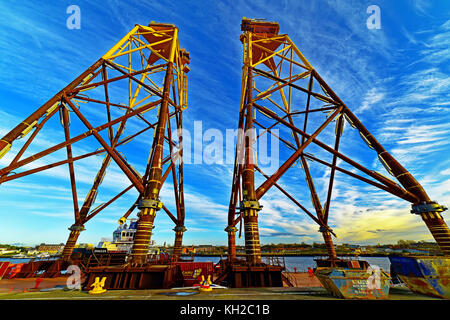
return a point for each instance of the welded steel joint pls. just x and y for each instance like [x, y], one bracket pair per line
[75, 227]
[325, 229]
[424, 207]
[150, 203]
[231, 229]
[250, 204]
[179, 229]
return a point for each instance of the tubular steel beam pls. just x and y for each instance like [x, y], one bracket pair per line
[8, 139]
[151, 193]
[65, 116]
[154, 91]
[178, 191]
[74, 139]
[59, 163]
[264, 48]
[130, 174]
[281, 86]
[106, 204]
[317, 220]
[235, 188]
[38, 128]
[340, 127]
[107, 102]
[411, 197]
[290, 83]
[430, 215]
[263, 188]
[249, 212]
[399, 192]
[310, 182]
[121, 69]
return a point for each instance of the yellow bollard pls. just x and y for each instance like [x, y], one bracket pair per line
[98, 286]
[205, 284]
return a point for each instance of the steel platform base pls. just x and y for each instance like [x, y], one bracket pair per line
[42, 269]
[155, 276]
[238, 275]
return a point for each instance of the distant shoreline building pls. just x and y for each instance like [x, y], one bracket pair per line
[50, 248]
[4, 251]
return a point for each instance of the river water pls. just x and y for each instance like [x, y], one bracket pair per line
[300, 263]
[19, 260]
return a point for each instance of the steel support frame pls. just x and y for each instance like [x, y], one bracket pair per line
[243, 181]
[174, 65]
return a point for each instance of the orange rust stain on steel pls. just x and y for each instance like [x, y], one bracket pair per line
[419, 285]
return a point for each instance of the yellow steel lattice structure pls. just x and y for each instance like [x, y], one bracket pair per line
[140, 82]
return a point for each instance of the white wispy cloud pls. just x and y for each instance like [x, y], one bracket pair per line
[371, 98]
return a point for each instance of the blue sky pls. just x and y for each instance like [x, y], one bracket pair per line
[395, 79]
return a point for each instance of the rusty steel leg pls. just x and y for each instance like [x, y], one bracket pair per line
[428, 210]
[235, 189]
[75, 231]
[143, 236]
[439, 230]
[150, 203]
[250, 204]
[178, 244]
[329, 243]
[231, 242]
[252, 245]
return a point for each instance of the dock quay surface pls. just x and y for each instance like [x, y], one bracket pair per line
[307, 288]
